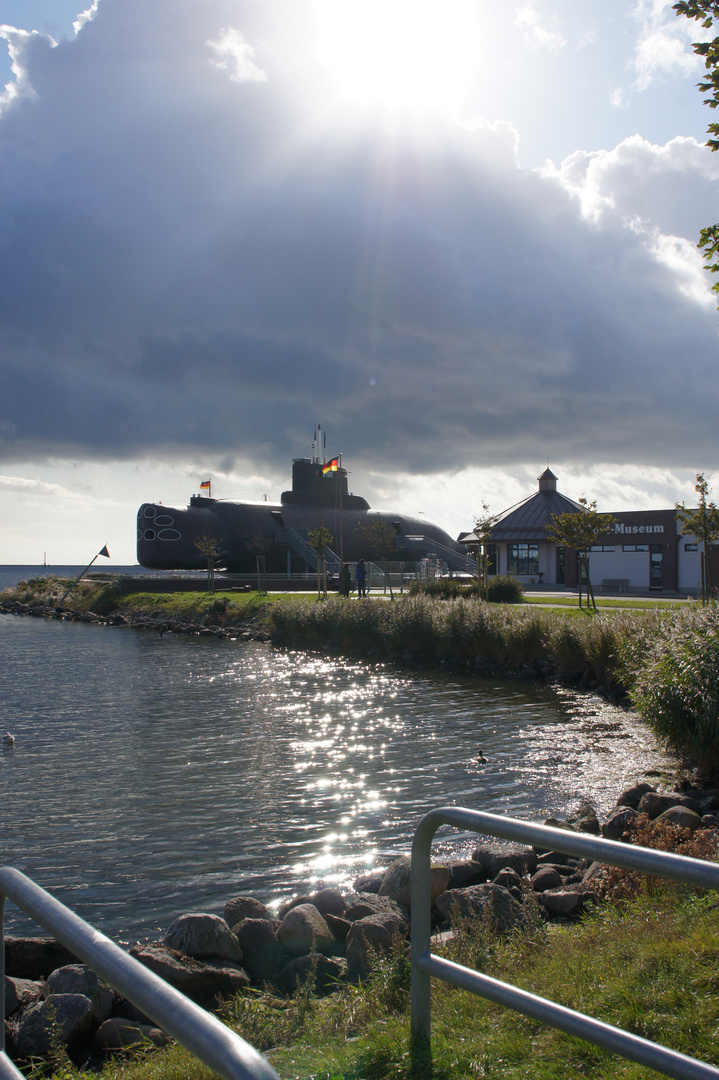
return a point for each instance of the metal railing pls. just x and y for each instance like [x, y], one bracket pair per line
[425, 964]
[199, 1031]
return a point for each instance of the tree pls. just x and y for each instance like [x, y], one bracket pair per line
[380, 537]
[707, 11]
[212, 549]
[319, 539]
[581, 531]
[704, 524]
[483, 531]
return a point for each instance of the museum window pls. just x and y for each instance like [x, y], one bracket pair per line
[635, 547]
[523, 559]
[691, 547]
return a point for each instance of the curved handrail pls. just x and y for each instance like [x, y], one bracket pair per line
[199, 1031]
[425, 964]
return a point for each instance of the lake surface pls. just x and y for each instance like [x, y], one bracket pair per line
[152, 775]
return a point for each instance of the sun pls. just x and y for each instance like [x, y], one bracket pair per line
[415, 55]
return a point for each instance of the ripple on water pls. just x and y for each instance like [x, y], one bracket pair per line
[154, 776]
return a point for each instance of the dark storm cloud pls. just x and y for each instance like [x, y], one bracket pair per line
[206, 257]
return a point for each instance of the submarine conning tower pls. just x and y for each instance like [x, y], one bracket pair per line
[312, 486]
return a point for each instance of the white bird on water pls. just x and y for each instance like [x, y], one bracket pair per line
[8, 739]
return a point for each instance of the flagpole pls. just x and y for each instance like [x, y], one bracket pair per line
[105, 553]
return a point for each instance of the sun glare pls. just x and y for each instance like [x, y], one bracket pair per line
[402, 54]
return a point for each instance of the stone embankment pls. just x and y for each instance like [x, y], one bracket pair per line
[202, 626]
[329, 936]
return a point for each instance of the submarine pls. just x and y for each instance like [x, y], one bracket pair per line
[241, 532]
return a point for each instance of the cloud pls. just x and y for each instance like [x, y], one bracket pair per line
[197, 259]
[22, 485]
[536, 33]
[663, 46]
[235, 56]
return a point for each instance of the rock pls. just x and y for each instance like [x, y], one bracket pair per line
[340, 927]
[369, 936]
[632, 796]
[327, 972]
[63, 1017]
[619, 823]
[509, 878]
[568, 902]
[329, 902]
[397, 881]
[465, 872]
[120, 1034]
[81, 979]
[546, 878]
[680, 816]
[202, 937]
[35, 958]
[584, 820]
[235, 974]
[494, 857]
[370, 904]
[19, 993]
[243, 907]
[303, 930]
[369, 883]
[653, 804]
[263, 955]
[479, 901]
[198, 981]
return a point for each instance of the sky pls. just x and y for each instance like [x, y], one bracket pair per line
[460, 236]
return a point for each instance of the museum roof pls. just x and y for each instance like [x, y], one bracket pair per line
[528, 520]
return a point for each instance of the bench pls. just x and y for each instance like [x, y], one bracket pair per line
[614, 584]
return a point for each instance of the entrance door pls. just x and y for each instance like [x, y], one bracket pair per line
[656, 572]
[560, 565]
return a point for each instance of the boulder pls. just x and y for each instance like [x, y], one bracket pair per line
[243, 907]
[494, 857]
[35, 958]
[200, 982]
[566, 902]
[546, 878]
[653, 803]
[329, 902]
[369, 883]
[619, 823]
[19, 993]
[119, 1034]
[203, 937]
[326, 971]
[81, 979]
[480, 901]
[63, 1017]
[370, 904]
[263, 955]
[367, 937]
[681, 816]
[584, 820]
[632, 796]
[397, 881]
[465, 872]
[303, 930]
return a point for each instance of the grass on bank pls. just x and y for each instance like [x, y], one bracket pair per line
[649, 967]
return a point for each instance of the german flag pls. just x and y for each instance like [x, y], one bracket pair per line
[331, 466]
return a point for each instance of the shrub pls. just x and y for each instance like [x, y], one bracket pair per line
[504, 590]
[674, 682]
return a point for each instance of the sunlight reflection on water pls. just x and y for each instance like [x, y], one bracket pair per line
[155, 776]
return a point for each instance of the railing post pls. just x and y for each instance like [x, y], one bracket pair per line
[420, 990]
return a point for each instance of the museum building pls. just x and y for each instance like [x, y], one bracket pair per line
[643, 552]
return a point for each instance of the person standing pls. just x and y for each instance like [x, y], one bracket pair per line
[345, 580]
[361, 575]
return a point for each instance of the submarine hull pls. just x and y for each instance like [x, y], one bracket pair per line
[169, 538]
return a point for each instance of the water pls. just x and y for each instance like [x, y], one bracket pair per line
[153, 776]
